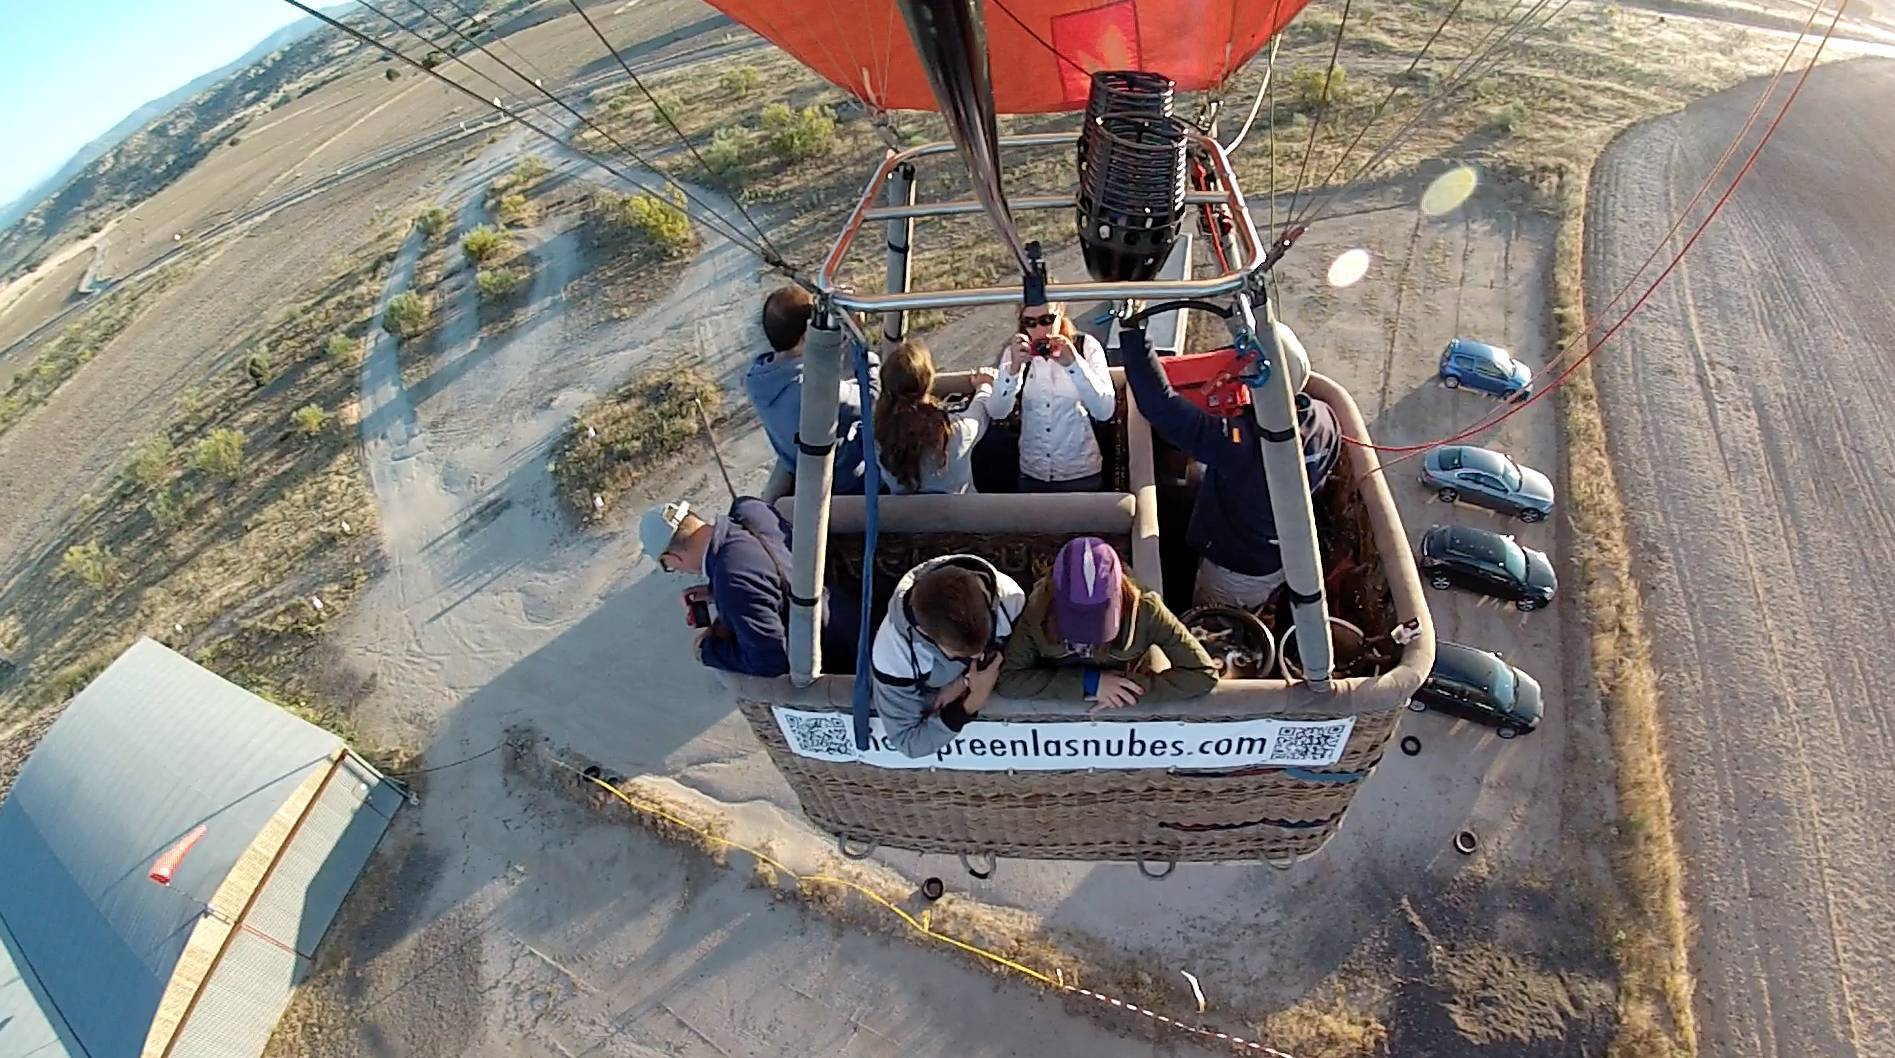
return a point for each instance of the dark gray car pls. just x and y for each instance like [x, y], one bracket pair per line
[1486, 478]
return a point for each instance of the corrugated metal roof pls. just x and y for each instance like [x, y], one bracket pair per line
[150, 749]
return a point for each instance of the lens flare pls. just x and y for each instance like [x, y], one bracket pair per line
[1449, 191]
[1349, 268]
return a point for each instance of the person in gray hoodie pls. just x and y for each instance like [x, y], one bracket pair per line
[774, 384]
[937, 653]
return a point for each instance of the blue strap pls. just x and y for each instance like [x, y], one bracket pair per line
[1092, 682]
[871, 525]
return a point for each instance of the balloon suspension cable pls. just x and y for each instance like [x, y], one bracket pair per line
[1322, 107]
[461, 9]
[711, 218]
[1269, 74]
[664, 114]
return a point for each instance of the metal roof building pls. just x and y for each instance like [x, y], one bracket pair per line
[97, 960]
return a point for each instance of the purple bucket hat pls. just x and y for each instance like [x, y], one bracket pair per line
[1087, 588]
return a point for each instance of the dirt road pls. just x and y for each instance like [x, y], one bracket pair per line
[1748, 408]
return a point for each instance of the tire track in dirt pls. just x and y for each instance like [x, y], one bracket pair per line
[1749, 418]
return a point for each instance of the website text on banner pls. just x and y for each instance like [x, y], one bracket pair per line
[986, 745]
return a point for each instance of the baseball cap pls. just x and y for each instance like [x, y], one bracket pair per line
[659, 525]
[1087, 587]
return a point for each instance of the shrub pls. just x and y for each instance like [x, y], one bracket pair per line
[665, 104]
[309, 420]
[221, 454]
[433, 220]
[663, 222]
[407, 315]
[1307, 85]
[729, 152]
[257, 366]
[740, 82]
[91, 562]
[432, 59]
[514, 209]
[392, 74]
[1508, 117]
[529, 171]
[150, 464]
[342, 350]
[496, 283]
[170, 509]
[797, 135]
[485, 243]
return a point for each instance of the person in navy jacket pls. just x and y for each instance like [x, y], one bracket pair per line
[745, 556]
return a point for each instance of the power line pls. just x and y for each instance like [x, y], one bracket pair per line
[721, 226]
[682, 138]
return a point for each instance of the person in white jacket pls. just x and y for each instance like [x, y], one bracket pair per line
[1060, 378]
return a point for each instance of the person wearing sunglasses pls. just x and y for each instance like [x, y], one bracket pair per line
[1088, 630]
[937, 653]
[1060, 379]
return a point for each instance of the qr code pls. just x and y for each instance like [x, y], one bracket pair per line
[1316, 743]
[820, 736]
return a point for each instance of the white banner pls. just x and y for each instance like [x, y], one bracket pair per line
[999, 745]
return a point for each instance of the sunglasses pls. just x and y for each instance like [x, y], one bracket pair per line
[1039, 321]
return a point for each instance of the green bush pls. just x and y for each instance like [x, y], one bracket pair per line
[91, 562]
[798, 135]
[407, 315]
[221, 454]
[309, 420]
[529, 171]
[665, 104]
[1508, 117]
[740, 82]
[150, 464]
[514, 210]
[170, 509]
[1307, 87]
[730, 151]
[342, 351]
[486, 243]
[257, 366]
[496, 283]
[660, 221]
[433, 220]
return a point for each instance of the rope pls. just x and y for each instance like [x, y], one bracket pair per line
[714, 220]
[1322, 108]
[672, 125]
[921, 925]
[1410, 451]
[1269, 72]
[862, 689]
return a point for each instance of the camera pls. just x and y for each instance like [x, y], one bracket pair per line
[697, 612]
[1043, 347]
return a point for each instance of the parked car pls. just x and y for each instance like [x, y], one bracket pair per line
[1486, 368]
[1486, 562]
[1479, 685]
[1486, 478]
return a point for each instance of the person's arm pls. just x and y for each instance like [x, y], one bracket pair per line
[1191, 673]
[852, 400]
[1007, 383]
[747, 605]
[1187, 427]
[979, 413]
[1092, 378]
[901, 699]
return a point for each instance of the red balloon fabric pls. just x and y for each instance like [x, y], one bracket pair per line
[1043, 52]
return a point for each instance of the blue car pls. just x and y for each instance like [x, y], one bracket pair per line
[1486, 368]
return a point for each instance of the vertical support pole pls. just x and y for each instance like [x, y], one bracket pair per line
[1274, 405]
[815, 479]
[901, 240]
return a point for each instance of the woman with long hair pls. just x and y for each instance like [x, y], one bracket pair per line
[922, 446]
[1087, 632]
[1060, 378]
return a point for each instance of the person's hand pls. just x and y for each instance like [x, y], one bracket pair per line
[1019, 351]
[697, 593]
[1063, 352]
[983, 674]
[1116, 692]
[984, 376]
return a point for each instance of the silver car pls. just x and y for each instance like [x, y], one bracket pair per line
[1485, 478]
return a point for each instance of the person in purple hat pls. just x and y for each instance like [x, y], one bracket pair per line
[1087, 632]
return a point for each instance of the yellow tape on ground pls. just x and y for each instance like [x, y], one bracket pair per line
[919, 926]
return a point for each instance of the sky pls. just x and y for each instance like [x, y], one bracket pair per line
[70, 69]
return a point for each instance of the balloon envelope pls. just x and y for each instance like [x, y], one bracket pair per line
[1043, 52]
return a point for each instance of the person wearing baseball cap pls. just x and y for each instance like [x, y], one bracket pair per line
[1087, 631]
[745, 557]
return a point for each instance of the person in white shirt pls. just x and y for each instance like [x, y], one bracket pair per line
[923, 447]
[1060, 378]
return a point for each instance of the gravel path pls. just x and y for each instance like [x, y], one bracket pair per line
[1749, 410]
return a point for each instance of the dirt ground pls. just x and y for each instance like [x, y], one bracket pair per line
[1749, 423]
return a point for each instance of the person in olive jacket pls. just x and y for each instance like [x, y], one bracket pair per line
[1086, 631]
